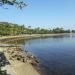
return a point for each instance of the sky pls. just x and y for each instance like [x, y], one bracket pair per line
[42, 13]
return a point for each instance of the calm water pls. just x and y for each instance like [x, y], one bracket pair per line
[56, 54]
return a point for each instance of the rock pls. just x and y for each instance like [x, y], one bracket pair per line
[18, 58]
[34, 63]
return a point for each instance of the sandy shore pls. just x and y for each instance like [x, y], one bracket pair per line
[16, 67]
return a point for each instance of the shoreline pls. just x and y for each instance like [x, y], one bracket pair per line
[29, 36]
[19, 62]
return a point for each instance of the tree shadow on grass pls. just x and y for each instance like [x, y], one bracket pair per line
[3, 62]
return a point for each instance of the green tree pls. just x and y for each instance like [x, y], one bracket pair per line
[73, 31]
[18, 3]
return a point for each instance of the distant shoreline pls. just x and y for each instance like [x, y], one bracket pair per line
[28, 36]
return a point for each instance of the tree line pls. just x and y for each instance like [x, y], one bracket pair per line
[15, 29]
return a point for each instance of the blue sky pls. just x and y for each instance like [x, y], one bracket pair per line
[42, 13]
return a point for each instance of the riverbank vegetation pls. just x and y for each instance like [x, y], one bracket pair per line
[15, 29]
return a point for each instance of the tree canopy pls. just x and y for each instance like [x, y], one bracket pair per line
[19, 4]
